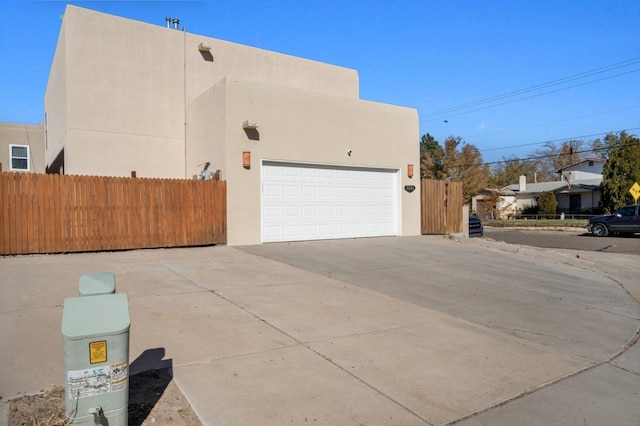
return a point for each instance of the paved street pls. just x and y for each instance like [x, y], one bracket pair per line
[414, 330]
[572, 240]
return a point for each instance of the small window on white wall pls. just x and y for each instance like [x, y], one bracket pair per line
[19, 155]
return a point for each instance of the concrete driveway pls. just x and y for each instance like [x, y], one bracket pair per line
[413, 330]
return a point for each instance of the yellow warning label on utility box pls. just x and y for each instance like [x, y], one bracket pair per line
[98, 352]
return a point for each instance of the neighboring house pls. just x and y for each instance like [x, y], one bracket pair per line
[22, 147]
[578, 192]
[303, 156]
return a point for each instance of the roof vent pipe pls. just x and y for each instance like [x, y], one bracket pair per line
[168, 21]
[176, 22]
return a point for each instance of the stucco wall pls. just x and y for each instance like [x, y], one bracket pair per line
[55, 102]
[22, 134]
[123, 88]
[206, 131]
[300, 126]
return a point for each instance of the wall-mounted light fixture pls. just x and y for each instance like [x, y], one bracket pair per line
[204, 47]
[410, 170]
[246, 159]
[247, 124]
[251, 129]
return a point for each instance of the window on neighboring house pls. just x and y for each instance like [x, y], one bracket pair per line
[590, 163]
[19, 157]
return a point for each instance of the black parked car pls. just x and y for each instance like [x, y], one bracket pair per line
[475, 226]
[623, 221]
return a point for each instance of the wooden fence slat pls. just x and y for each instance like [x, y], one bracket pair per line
[35, 224]
[53, 221]
[4, 208]
[13, 224]
[5, 239]
[178, 225]
[123, 212]
[24, 217]
[38, 204]
[27, 216]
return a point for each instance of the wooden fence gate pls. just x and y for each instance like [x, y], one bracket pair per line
[47, 213]
[441, 209]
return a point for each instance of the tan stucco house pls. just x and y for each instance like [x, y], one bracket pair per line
[22, 147]
[303, 156]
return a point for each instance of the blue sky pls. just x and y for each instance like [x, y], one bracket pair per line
[577, 61]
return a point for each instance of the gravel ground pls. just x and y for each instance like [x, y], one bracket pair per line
[154, 398]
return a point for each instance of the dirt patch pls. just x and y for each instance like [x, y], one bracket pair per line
[154, 398]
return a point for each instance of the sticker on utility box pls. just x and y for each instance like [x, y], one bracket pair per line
[98, 352]
[97, 380]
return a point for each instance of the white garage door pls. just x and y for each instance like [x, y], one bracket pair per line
[312, 202]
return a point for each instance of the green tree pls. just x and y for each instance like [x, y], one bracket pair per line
[598, 149]
[456, 161]
[463, 162]
[621, 170]
[431, 155]
[547, 203]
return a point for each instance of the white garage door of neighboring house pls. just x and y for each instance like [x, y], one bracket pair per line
[313, 202]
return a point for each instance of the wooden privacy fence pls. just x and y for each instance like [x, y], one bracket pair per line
[44, 213]
[441, 210]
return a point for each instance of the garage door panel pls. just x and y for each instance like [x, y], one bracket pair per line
[309, 211]
[343, 192]
[327, 192]
[309, 191]
[290, 191]
[343, 211]
[291, 211]
[304, 202]
[309, 231]
[327, 209]
[326, 173]
[271, 190]
[290, 231]
[271, 212]
[291, 172]
[308, 172]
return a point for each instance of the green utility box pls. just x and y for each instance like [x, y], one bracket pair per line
[96, 284]
[95, 340]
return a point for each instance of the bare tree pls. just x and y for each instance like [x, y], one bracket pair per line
[554, 156]
[509, 170]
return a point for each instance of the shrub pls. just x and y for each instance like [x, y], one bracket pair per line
[548, 203]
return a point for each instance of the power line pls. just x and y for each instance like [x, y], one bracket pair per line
[555, 140]
[492, 99]
[532, 96]
[541, 86]
[540, 157]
